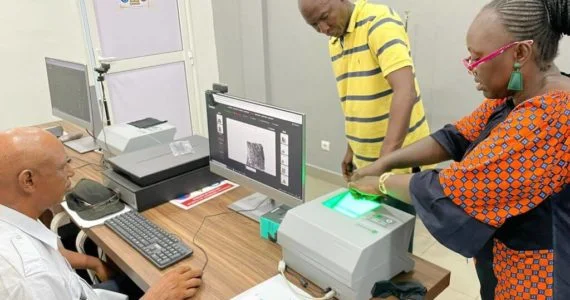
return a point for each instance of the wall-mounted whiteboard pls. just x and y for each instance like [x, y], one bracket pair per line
[125, 31]
[159, 92]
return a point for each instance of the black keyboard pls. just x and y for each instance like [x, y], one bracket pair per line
[160, 247]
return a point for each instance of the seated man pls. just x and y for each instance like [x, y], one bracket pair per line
[34, 175]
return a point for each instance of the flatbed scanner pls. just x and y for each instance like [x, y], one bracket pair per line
[152, 176]
[341, 242]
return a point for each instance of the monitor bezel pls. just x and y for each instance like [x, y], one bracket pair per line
[220, 168]
[61, 114]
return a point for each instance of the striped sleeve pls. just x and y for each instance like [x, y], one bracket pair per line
[388, 39]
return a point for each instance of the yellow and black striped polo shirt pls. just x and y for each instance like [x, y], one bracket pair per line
[374, 45]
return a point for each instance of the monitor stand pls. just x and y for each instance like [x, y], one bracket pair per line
[252, 206]
[83, 145]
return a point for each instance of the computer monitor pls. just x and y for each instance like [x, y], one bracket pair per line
[259, 146]
[73, 100]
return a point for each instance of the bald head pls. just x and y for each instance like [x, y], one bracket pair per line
[25, 148]
[309, 7]
[330, 17]
[33, 169]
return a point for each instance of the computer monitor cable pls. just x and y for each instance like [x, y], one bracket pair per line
[330, 293]
[215, 215]
[282, 266]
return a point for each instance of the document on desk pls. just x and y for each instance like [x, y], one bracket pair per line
[187, 201]
[274, 288]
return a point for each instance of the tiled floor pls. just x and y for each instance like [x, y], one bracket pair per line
[464, 283]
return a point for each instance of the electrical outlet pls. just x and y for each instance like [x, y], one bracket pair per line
[325, 145]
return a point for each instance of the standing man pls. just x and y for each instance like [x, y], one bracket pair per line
[380, 98]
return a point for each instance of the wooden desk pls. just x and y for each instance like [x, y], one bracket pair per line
[238, 258]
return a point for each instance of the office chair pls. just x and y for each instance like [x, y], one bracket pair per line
[62, 219]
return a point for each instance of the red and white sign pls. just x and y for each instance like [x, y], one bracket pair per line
[187, 201]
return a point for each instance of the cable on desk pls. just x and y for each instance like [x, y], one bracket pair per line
[87, 163]
[89, 133]
[84, 165]
[101, 163]
[215, 215]
[282, 268]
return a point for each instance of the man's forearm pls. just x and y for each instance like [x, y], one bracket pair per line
[399, 121]
[80, 261]
[398, 186]
[426, 151]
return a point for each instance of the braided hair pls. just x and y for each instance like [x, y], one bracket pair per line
[544, 21]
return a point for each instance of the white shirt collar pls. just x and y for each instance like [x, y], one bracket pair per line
[33, 228]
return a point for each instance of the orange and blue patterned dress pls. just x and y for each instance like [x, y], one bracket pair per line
[506, 199]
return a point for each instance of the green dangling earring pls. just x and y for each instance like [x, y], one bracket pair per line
[516, 81]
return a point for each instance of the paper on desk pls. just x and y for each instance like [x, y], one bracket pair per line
[88, 224]
[274, 288]
[187, 201]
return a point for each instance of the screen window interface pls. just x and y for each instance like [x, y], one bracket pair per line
[258, 141]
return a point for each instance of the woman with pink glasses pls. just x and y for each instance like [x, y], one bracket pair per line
[506, 198]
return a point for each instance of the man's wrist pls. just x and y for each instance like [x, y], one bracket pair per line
[379, 167]
[93, 263]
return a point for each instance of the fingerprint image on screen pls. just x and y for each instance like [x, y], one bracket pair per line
[252, 146]
[255, 156]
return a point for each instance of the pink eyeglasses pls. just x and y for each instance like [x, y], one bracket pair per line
[471, 65]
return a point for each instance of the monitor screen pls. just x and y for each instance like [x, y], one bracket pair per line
[69, 91]
[262, 144]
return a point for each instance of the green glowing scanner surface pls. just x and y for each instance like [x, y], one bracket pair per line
[352, 204]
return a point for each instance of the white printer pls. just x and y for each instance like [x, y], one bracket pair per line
[347, 244]
[124, 137]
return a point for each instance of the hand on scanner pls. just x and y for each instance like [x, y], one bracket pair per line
[365, 188]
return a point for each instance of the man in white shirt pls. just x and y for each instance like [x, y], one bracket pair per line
[34, 176]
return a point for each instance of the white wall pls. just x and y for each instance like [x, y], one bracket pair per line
[204, 45]
[437, 32]
[299, 76]
[240, 28]
[292, 57]
[31, 30]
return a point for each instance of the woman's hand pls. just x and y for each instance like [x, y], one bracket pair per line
[366, 184]
[375, 169]
[359, 174]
